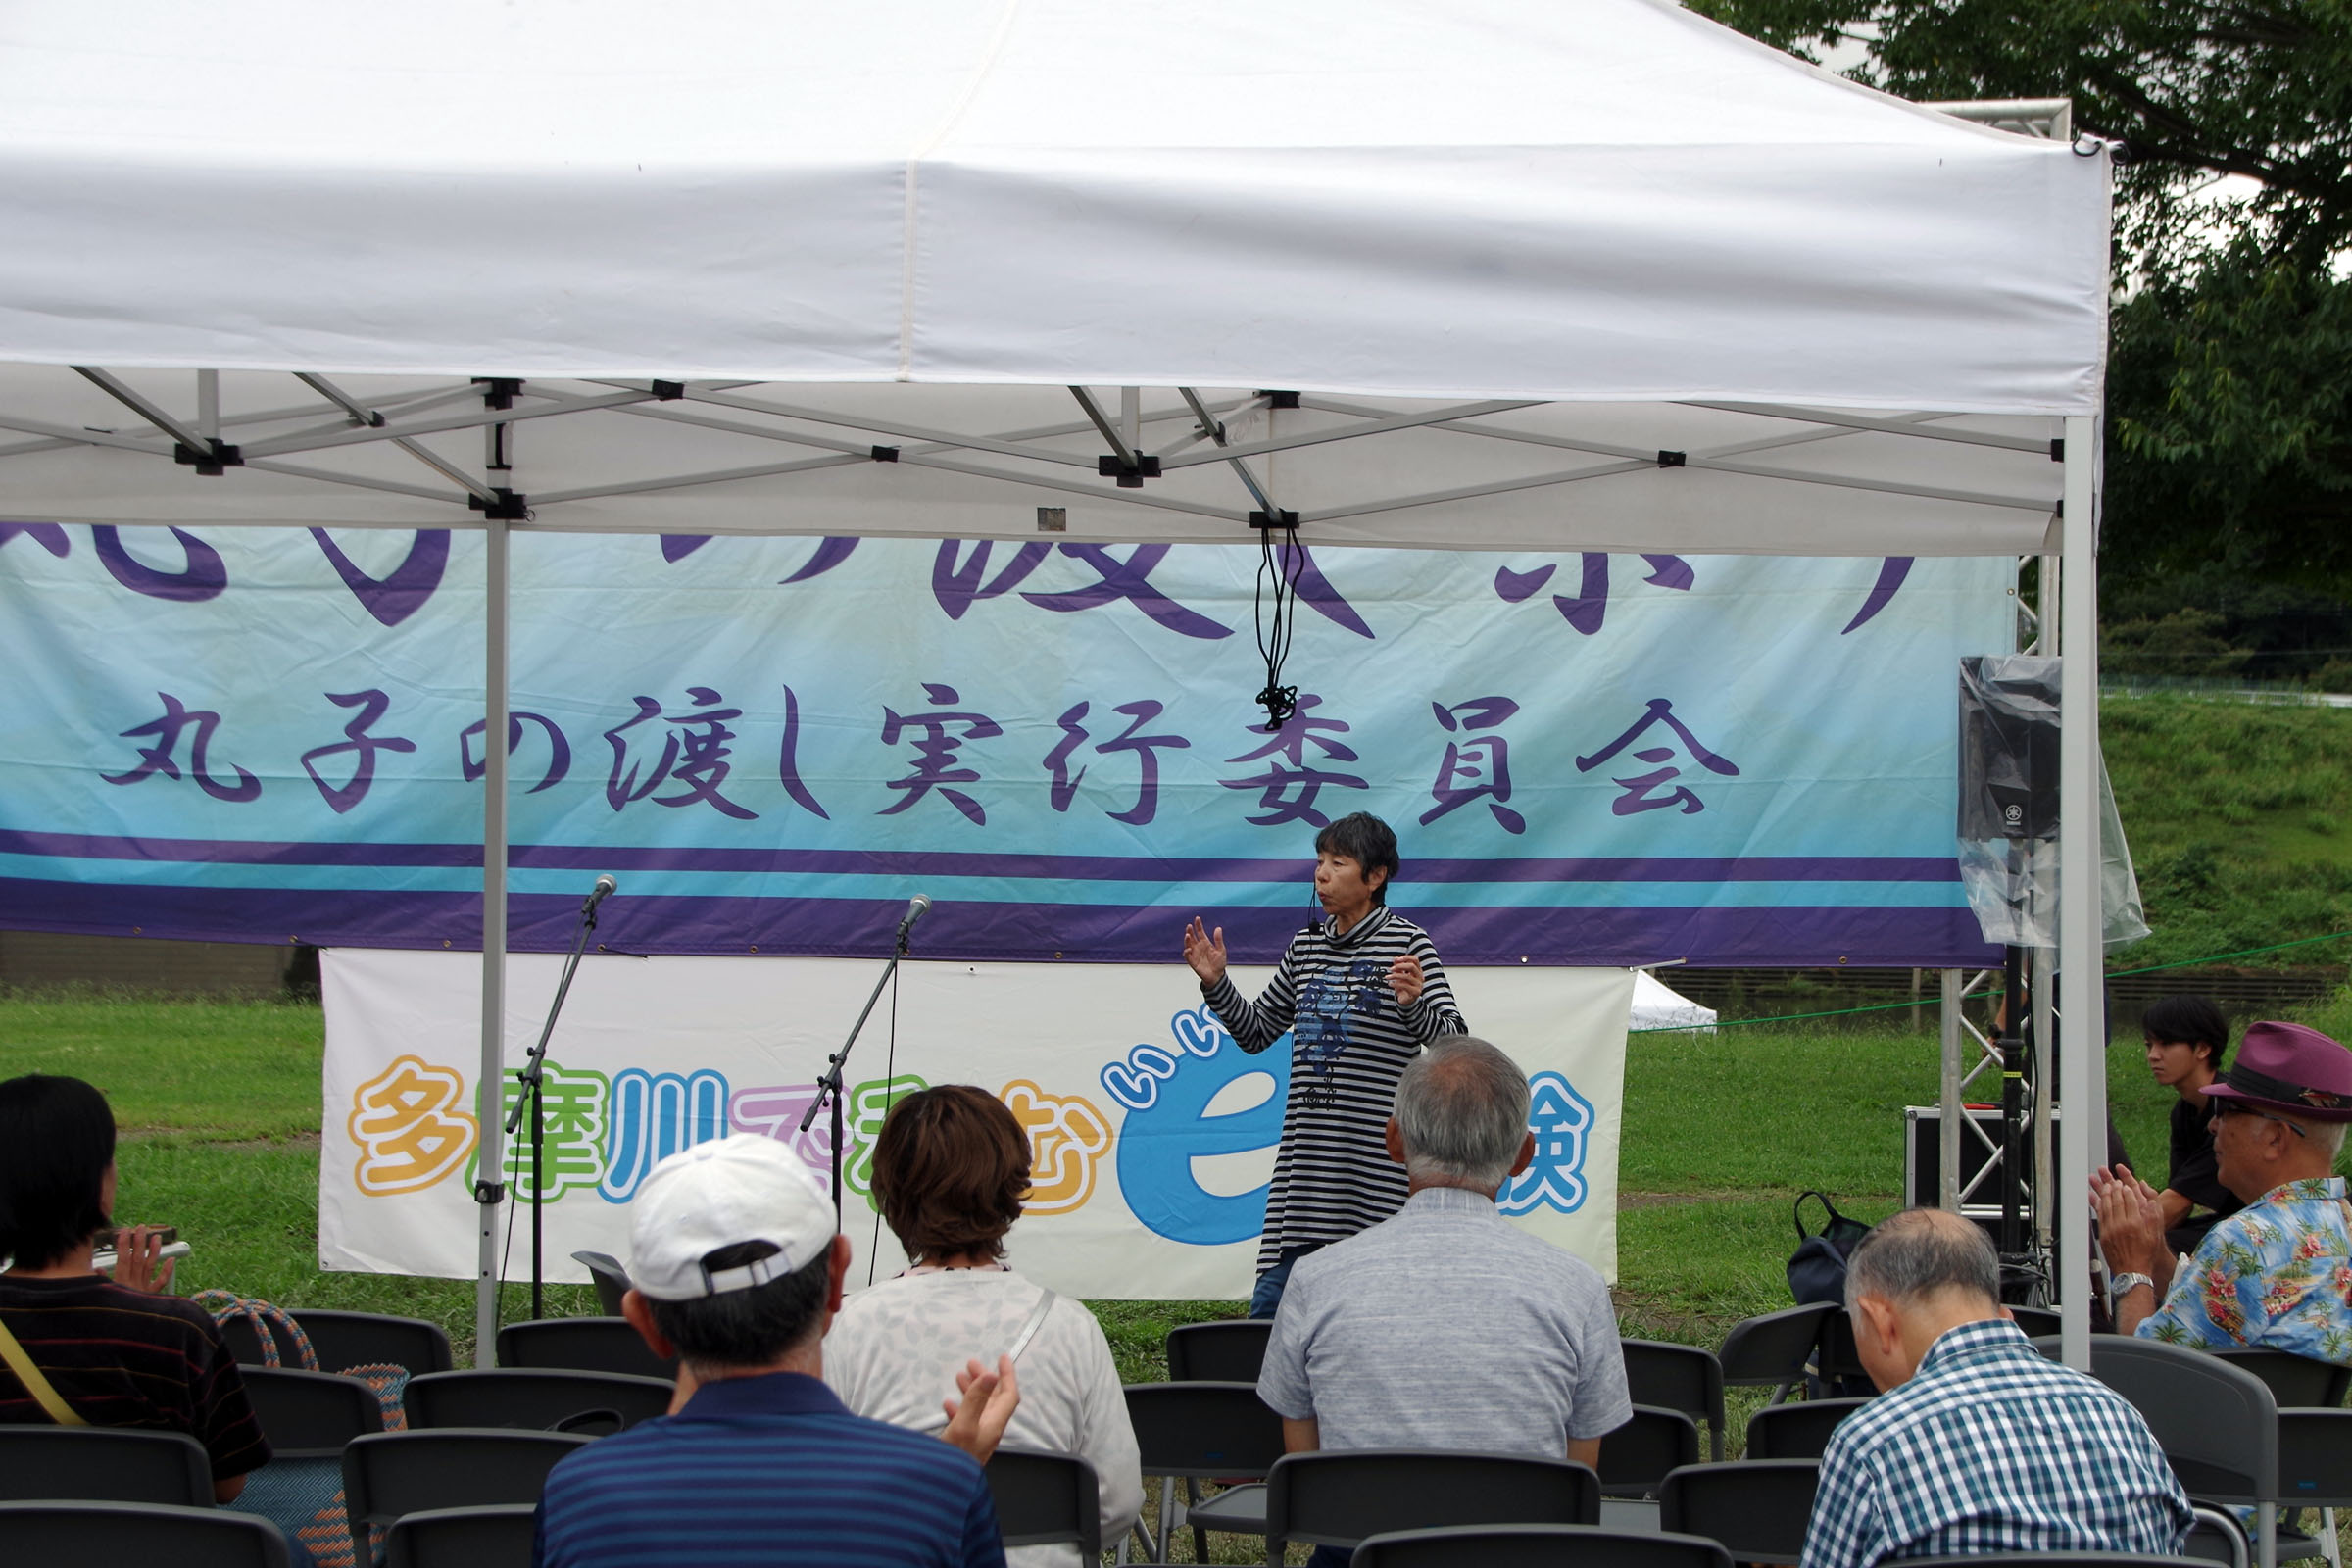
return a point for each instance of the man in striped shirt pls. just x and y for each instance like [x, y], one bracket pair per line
[1361, 992]
[736, 1270]
[1978, 1442]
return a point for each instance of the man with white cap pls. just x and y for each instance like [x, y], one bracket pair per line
[737, 1271]
[2279, 1272]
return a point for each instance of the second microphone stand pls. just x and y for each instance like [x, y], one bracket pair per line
[530, 1077]
[829, 1087]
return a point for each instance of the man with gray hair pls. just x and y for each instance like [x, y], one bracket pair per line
[1446, 1327]
[1979, 1444]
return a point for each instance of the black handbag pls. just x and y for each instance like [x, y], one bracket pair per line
[1817, 1268]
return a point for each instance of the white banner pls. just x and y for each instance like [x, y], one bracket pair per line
[1152, 1134]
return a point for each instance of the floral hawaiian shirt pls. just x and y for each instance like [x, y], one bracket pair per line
[2277, 1274]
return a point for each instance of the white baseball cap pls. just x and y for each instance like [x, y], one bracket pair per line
[733, 1190]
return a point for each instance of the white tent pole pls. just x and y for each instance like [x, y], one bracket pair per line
[2083, 1127]
[1948, 1128]
[489, 1102]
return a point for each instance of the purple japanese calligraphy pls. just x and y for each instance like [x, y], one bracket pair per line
[1478, 765]
[693, 755]
[177, 718]
[1289, 784]
[1638, 796]
[362, 746]
[1147, 748]
[937, 765]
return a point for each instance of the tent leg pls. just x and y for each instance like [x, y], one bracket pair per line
[1948, 1194]
[489, 1105]
[2084, 1128]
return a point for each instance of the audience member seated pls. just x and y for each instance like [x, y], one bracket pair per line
[2270, 1274]
[737, 1269]
[119, 1353]
[2187, 1046]
[1979, 1444]
[951, 1168]
[1446, 1326]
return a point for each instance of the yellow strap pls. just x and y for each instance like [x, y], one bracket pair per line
[37, 1385]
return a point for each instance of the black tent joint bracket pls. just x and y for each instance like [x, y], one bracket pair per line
[2058, 449]
[885, 454]
[498, 391]
[1672, 460]
[489, 1193]
[210, 460]
[1131, 474]
[508, 506]
[1279, 400]
[669, 391]
[1280, 519]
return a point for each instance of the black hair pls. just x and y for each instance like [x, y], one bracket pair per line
[754, 1327]
[2188, 1020]
[1368, 840]
[57, 1137]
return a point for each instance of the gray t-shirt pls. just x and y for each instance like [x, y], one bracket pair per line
[1446, 1327]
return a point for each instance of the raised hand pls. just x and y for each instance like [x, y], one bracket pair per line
[1406, 979]
[985, 1403]
[136, 1260]
[1205, 951]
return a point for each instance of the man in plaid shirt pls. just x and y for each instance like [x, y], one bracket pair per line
[1977, 1443]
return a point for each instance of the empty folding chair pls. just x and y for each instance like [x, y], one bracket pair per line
[1227, 1352]
[344, 1339]
[582, 1345]
[1044, 1499]
[611, 1281]
[494, 1536]
[1677, 1377]
[1338, 1497]
[1772, 1351]
[537, 1398]
[104, 1464]
[310, 1415]
[139, 1532]
[390, 1474]
[2218, 1537]
[1758, 1508]
[1189, 1432]
[1537, 1547]
[1637, 1455]
[2056, 1559]
[2295, 1382]
[2033, 1321]
[1796, 1431]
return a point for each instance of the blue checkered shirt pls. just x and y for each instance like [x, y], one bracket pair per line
[1990, 1446]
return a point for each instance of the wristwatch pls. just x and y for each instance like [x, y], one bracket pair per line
[2122, 1285]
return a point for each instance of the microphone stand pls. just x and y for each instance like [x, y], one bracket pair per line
[829, 1087]
[532, 1075]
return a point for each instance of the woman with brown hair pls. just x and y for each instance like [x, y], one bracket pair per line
[950, 1169]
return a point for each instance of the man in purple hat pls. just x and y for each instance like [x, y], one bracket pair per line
[2279, 1272]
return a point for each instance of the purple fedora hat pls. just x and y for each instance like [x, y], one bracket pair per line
[2289, 1068]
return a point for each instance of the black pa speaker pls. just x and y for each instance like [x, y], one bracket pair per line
[2008, 746]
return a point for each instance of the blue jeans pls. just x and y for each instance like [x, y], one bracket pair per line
[1267, 1296]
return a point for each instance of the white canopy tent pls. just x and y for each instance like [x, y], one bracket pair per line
[1587, 276]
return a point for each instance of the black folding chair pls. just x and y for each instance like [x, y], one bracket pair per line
[1677, 1377]
[390, 1474]
[2295, 1382]
[1637, 1455]
[1537, 1547]
[1227, 1352]
[2035, 1321]
[342, 1340]
[611, 1281]
[539, 1400]
[582, 1345]
[104, 1464]
[1797, 1431]
[494, 1536]
[1758, 1508]
[139, 1532]
[1190, 1432]
[1772, 1351]
[2056, 1559]
[310, 1415]
[1338, 1497]
[1045, 1499]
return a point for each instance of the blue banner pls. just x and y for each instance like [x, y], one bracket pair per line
[276, 735]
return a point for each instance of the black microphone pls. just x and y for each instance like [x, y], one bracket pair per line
[916, 907]
[604, 888]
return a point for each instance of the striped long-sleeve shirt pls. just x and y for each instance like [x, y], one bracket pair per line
[1351, 1040]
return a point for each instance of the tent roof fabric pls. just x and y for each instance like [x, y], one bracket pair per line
[1609, 201]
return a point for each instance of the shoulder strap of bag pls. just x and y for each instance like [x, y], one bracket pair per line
[39, 1386]
[1031, 1324]
[268, 1322]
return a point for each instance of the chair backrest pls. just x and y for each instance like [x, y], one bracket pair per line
[2057, 1559]
[1204, 1429]
[1796, 1431]
[537, 1400]
[1677, 1377]
[1338, 1496]
[582, 1345]
[2216, 1422]
[139, 1532]
[2296, 1381]
[2218, 1537]
[611, 1281]
[1046, 1498]
[104, 1464]
[1230, 1351]
[2035, 1321]
[390, 1474]
[1537, 1547]
[1772, 1348]
[1636, 1456]
[2315, 1458]
[310, 1415]
[373, 1338]
[1758, 1508]
[494, 1536]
